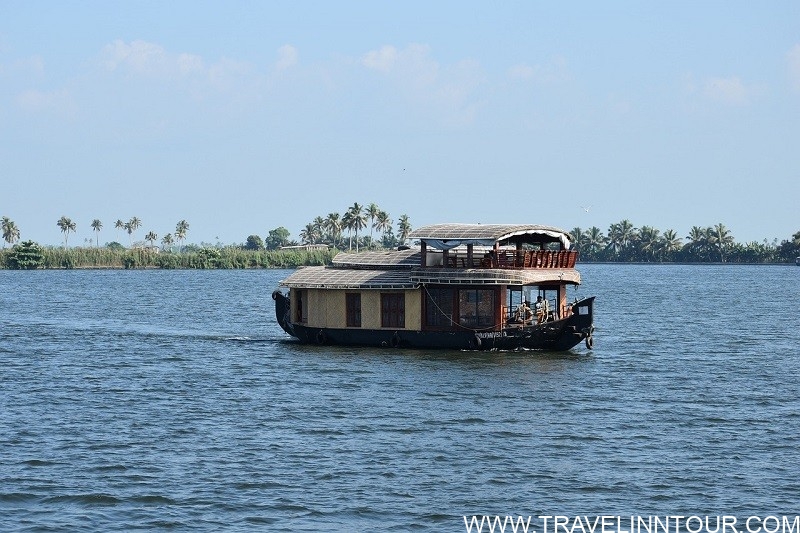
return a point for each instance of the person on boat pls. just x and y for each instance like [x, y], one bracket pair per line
[523, 313]
[541, 308]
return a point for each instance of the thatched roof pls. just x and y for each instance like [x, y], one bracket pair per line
[389, 259]
[348, 278]
[447, 235]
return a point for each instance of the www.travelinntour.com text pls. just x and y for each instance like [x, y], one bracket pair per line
[631, 524]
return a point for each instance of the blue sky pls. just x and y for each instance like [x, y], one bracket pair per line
[240, 117]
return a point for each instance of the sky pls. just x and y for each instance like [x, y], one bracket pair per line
[240, 117]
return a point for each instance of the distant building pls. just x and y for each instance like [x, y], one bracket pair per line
[306, 247]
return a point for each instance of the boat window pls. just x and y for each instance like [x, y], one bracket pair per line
[393, 310]
[439, 307]
[302, 306]
[476, 307]
[353, 305]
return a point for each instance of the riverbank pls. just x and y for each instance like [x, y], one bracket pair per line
[29, 258]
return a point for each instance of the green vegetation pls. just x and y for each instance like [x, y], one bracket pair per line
[715, 244]
[367, 228]
[29, 255]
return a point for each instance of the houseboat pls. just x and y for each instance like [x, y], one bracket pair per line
[464, 286]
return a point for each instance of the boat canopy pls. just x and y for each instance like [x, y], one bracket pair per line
[320, 277]
[449, 236]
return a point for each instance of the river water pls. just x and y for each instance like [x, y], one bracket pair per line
[171, 400]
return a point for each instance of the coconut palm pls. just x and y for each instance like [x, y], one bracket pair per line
[166, 241]
[649, 242]
[403, 228]
[96, 227]
[354, 220]
[670, 243]
[333, 225]
[119, 225]
[319, 227]
[151, 237]
[698, 242]
[722, 239]
[358, 220]
[594, 240]
[372, 213]
[576, 236]
[620, 236]
[180, 232]
[135, 224]
[66, 224]
[309, 234]
[10, 231]
[383, 223]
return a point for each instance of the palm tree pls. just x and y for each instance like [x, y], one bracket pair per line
[670, 243]
[129, 229]
[97, 226]
[151, 237]
[66, 224]
[383, 224]
[333, 225]
[576, 235]
[308, 234]
[722, 239]
[10, 231]
[347, 223]
[357, 220]
[403, 228]
[372, 213]
[166, 241]
[319, 227]
[135, 224]
[698, 241]
[119, 225]
[649, 242]
[180, 232]
[594, 240]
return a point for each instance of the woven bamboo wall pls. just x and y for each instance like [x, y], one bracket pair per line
[327, 309]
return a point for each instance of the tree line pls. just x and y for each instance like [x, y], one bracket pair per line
[626, 243]
[331, 230]
[369, 227]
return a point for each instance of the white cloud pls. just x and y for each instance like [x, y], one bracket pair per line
[551, 72]
[729, 91]
[447, 90]
[413, 64]
[287, 57]
[138, 56]
[190, 64]
[37, 101]
[794, 66]
[381, 60]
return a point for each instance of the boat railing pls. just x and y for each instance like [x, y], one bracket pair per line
[515, 259]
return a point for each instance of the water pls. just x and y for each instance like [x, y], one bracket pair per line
[171, 400]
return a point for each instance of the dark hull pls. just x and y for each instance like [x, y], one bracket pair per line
[558, 335]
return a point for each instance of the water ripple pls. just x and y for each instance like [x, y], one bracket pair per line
[171, 400]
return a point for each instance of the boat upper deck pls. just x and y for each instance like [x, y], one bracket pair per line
[506, 246]
[492, 254]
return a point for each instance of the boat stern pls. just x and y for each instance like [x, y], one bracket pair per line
[282, 312]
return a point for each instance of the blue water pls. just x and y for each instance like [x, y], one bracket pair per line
[171, 400]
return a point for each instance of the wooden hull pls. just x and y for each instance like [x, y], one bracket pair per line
[558, 335]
